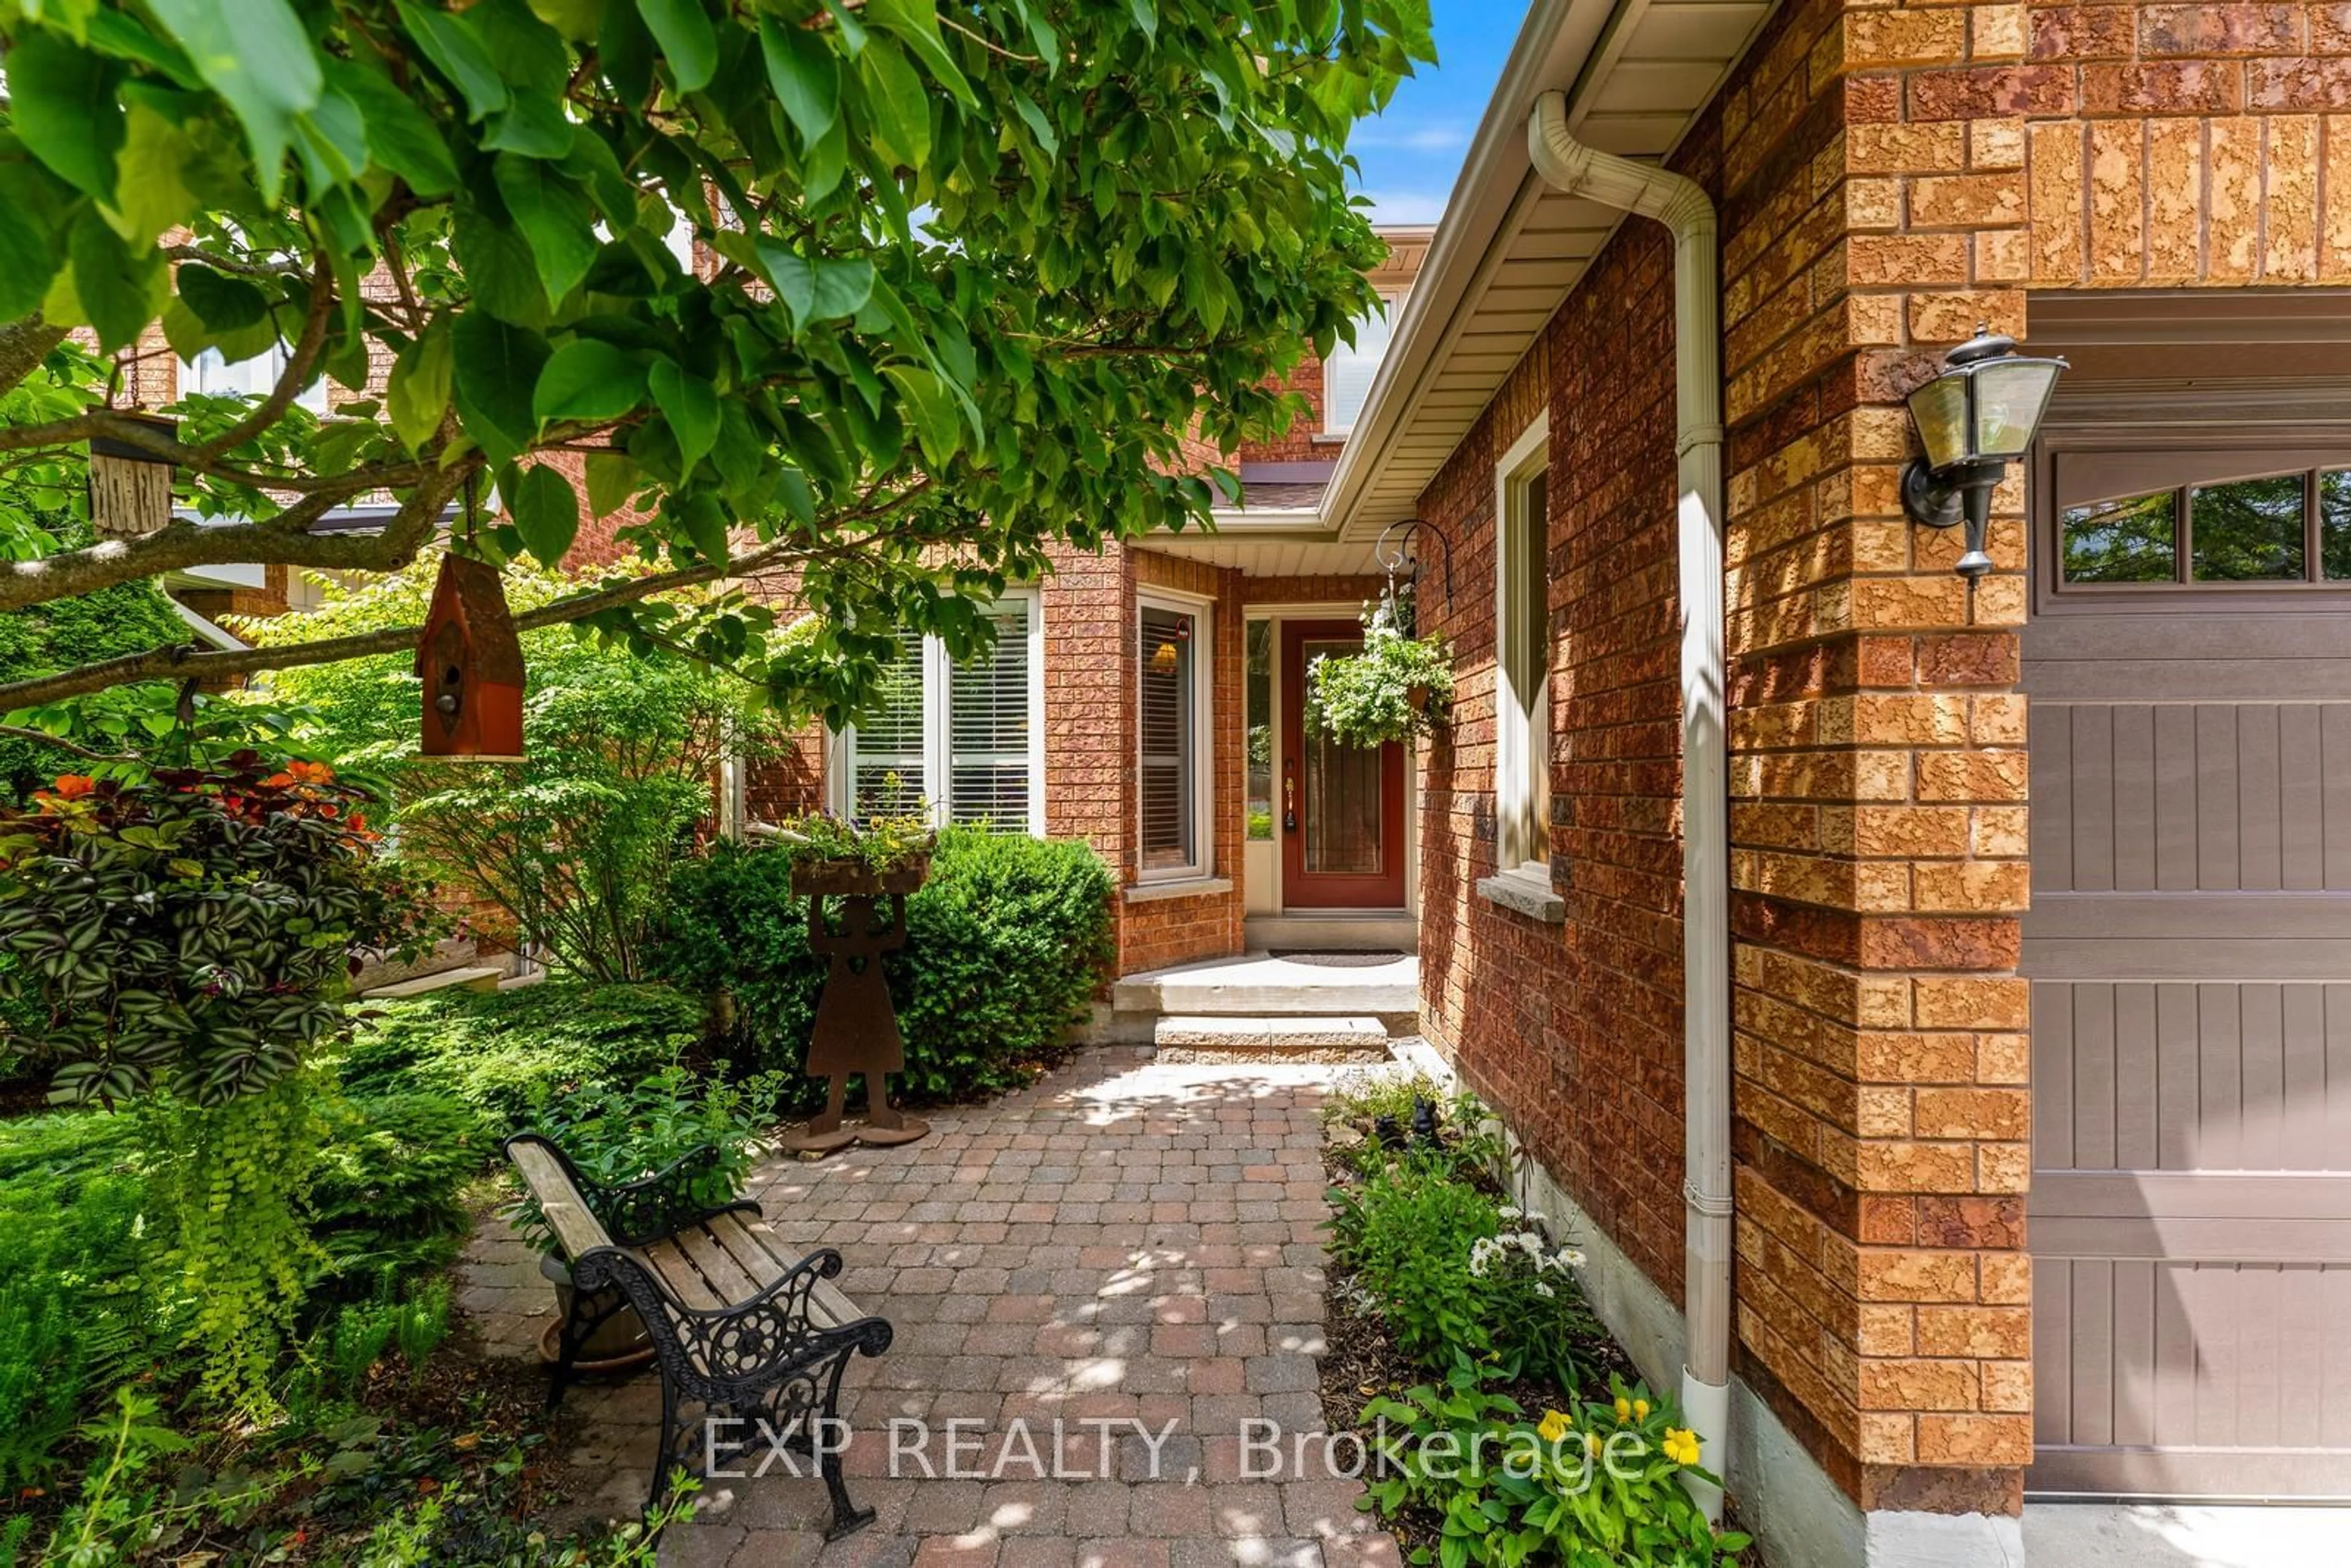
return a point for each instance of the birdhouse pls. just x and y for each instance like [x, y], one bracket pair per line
[130, 487]
[471, 663]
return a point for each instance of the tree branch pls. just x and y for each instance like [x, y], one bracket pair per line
[23, 346]
[19, 732]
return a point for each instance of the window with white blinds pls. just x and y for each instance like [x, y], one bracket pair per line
[1348, 373]
[1171, 713]
[990, 727]
[962, 740]
[888, 776]
[210, 374]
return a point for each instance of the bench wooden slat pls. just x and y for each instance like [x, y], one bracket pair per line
[668, 1260]
[827, 1308]
[727, 1276]
[577, 1230]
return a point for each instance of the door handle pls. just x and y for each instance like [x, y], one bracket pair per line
[1290, 795]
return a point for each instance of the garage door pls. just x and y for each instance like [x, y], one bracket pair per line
[2189, 661]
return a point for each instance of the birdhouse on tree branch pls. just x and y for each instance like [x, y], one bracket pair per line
[471, 663]
[130, 487]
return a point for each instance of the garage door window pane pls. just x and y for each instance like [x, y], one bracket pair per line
[2334, 523]
[2134, 540]
[2248, 532]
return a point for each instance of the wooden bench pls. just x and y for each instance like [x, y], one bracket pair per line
[742, 1335]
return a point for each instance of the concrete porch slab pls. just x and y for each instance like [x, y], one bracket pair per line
[2183, 1535]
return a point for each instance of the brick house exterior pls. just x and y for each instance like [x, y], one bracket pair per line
[1091, 743]
[1886, 177]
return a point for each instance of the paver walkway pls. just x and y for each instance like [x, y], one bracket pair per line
[1130, 1248]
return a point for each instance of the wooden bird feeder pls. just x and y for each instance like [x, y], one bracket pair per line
[130, 487]
[471, 663]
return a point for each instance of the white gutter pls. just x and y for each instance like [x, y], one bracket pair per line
[1683, 207]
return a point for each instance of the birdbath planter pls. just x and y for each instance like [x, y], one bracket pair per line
[856, 1025]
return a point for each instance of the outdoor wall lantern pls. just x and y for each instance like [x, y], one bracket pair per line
[1974, 419]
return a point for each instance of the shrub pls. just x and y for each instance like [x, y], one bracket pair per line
[386, 1198]
[1006, 943]
[498, 1052]
[1459, 1279]
[76, 1312]
[622, 1132]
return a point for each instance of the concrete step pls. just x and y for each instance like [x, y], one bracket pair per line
[1207, 1037]
[1333, 931]
[470, 979]
[1260, 985]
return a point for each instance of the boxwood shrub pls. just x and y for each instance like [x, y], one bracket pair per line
[1006, 943]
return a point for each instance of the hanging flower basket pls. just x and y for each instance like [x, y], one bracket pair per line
[1398, 687]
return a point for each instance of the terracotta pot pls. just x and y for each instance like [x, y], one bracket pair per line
[619, 1343]
[1418, 698]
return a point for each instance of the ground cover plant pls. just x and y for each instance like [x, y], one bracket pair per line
[1520, 1433]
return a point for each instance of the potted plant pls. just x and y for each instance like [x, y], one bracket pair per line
[1397, 687]
[693, 1141]
[836, 855]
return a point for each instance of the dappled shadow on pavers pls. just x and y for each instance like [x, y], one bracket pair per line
[1129, 1249]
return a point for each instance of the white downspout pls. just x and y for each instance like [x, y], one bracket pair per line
[1680, 204]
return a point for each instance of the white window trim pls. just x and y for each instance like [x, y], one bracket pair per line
[312, 397]
[1203, 866]
[1392, 307]
[1522, 728]
[938, 729]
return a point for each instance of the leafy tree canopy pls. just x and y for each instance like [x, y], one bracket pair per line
[971, 271]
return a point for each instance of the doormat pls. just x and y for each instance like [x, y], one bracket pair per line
[1329, 960]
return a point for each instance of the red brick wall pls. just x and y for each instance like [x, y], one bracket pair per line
[1346, 596]
[1575, 1029]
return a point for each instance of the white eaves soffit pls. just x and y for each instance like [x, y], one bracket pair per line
[1509, 249]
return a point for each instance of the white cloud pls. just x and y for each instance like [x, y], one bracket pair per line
[1431, 136]
[1406, 207]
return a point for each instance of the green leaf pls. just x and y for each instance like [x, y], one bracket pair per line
[547, 511]
[151, 192]
[450, 41]
[418, 394]
[27, 262]
[935, 412]
[496, 371]
[687, 40]
[120, 289]
[590, 381]
[254, 53]
[690, 406]
[612, 481]
[554, 217]
[901, 109]
[400, 136]
[916, 22]
[701, 520]
[806, 76]
[1038, 126]
[223, 302]
[67, 106]
[824, 289]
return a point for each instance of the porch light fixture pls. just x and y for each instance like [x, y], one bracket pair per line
[1974, 419]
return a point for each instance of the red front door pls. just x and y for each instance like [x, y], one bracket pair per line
[1341, 807]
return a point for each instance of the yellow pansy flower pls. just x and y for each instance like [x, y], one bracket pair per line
[1681, 1446]
[1554, 1426]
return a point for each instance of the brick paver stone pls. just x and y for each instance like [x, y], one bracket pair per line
[1127, 1248]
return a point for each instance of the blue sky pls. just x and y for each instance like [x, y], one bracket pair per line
[1411, 153]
